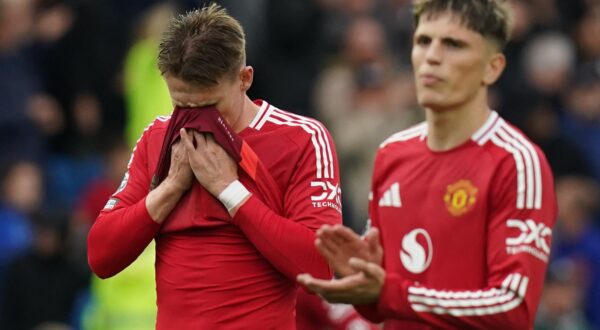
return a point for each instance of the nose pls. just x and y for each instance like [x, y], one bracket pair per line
[433, 55]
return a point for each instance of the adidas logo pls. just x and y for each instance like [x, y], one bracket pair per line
[391, 197]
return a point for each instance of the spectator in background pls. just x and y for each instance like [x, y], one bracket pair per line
[73, 58]
[23, 104]
[546, 15]
[363, 98]
[549, 61]
[580, 122]
[562, 298]
[94, 196]
[126, 301]
[22, 194]
[513, 93]
[146, 93]
[289, 66]
[542, 125]
[587, 31]
[56, 60]
[42, 286]
[578, 238]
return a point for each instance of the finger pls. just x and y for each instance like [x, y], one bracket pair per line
[176, 147]
[330, 244]
[303, 278]
[325, 230]
[323, 227]
[325, 251]
[187, 140]
[200, 139]
[370, 269]
[210, 138]
[178, 152]
[329, 237]
[306, 280]
[345, 233]
[372, 239]
[336, 287]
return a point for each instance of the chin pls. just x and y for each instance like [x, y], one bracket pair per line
[433, 103]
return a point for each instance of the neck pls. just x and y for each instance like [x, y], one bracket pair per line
[245, 116]
[452, 127]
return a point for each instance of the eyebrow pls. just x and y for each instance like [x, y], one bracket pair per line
[457, 41]
[460, 42]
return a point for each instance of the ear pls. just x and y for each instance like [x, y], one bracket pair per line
[247, 76]
[494, 68]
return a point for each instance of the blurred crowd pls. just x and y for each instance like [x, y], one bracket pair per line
[79, 82]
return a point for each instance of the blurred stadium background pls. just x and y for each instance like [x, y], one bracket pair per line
[78, 83]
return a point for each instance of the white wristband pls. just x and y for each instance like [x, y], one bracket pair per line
[233, 195]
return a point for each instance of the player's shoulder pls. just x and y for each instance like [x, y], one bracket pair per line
[158, 125]
[502, 139]
[412, 135]
[160, 122]
[273, 119]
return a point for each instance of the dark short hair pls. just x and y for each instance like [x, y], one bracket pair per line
[203, 46]
[490, 18]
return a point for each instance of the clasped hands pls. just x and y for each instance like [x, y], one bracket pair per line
[356, 262]
[207, 161]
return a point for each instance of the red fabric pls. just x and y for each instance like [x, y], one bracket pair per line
[215, 273]
[465, 232]
[313, 313]
[204, 120]
[281, 241]
[133, 229]
[209, 120]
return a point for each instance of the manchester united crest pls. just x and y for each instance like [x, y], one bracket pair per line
[460, 197]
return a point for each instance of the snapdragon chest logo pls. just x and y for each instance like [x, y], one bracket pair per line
[417, 251]
[460, 197]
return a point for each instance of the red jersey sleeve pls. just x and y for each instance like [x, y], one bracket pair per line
[124, 228]
[311, 199]
[519, 230]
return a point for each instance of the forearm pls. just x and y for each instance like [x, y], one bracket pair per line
[503, 306]
[288, 245]
[162, 200]
[117, 238]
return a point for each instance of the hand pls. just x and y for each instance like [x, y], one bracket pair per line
[211, 164]
[180, 173]
[362, 287]
[162, 199]
[338, 244]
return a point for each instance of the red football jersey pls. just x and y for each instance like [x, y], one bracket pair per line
[466, 232]
[314, 313]
[214, 272]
